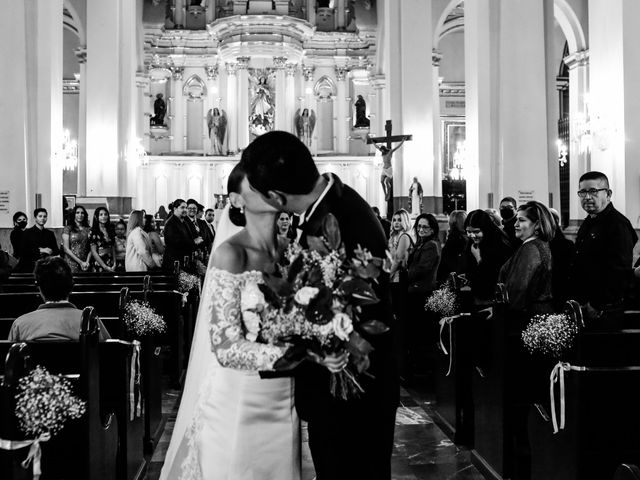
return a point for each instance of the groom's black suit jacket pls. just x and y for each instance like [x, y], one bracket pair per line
[358, 226]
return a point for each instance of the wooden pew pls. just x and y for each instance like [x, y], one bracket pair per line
[87, 447]
[602, 416]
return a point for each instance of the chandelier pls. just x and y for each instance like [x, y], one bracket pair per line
[562, 152]
[67, 155]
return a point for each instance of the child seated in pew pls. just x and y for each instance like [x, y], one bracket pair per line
[57, 318]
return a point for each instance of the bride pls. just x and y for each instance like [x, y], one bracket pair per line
[231, 424]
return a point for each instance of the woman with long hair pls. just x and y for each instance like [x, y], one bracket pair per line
[453, 250]
[487, 250]
[102, 239]
[120, 245]
[157, 246]
[286, 232]
[138, 256]
[75, 240]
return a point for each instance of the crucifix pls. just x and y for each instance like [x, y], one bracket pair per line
[384, 144]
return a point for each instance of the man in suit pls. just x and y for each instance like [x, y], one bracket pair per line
[209, 218]
[178, 238]
[37, 242]
[198, 226]
[348, 439]
[508, 213]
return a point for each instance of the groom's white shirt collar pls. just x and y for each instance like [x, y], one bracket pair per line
[306, 215]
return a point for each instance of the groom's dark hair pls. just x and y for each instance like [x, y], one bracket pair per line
[279, 161]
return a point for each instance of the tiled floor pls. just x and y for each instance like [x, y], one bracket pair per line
[422, 450]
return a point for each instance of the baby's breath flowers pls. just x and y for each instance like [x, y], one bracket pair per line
[551, 335]
[140, 319]
[45, 402]
[188, 282]
[442, 301]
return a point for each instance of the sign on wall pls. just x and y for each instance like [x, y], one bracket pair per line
[4, 202]
[525, 196]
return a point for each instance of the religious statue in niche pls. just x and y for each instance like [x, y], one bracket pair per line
[415, 197]
[361, 113]
[159, 111]
[262, 103]
[305, 123]
[217, 123]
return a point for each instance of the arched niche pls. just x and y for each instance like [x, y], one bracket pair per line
[325, 91]
[195, 90]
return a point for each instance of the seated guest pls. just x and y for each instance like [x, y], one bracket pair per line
[508, 214]
[57, 318]
[527, 274]
[75, 240]
[453, 249]
[103, 239]
[157, 247]
[19, 226]
[487, 250]
[120, 245]
[37, 242]
[138, 256]
[178, 240]
[601, 270]
[562, 253]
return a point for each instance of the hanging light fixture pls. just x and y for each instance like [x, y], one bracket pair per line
[67, 155]
[562, 152]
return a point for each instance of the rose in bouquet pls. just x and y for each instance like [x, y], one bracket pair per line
[316, 306]
[550, 334]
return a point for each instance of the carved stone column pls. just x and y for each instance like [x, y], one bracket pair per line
[290, 100]
[177, 111]
[81, 55]
[232, 106]
[281, 102]
[343, 126]
[243, 102]
[436, 57]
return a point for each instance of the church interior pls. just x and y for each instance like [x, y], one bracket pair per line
[432, 106]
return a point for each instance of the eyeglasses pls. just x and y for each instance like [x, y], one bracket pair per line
[423, 227]
[592, 192]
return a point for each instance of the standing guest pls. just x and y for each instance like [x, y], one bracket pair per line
[57, 318]
[120, 245]
[138, 256]
[210, 218]
[495, 216]
[487, 250]
[75, 240]
[284, 228]
[422, 270]
[102, 241]
[386, 224]
[157, 247]
[527, 274]
[178, 240]
[508, 214]
[604, 251]
[37, 242]
[562, 252]
[197, 227]
[162, 213]
[400, 243]
[453, 250]
[19, 226]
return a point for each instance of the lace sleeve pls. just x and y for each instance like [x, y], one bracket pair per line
[226, 330]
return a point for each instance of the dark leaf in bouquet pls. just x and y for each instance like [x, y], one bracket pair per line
[358, 345]
[295, 268]
[319, 309]
[331, 231]
[279, 285]
[314, 277]
[293, 356]
[360, 291]
[269, 295]
[316, 244]
[373, 327]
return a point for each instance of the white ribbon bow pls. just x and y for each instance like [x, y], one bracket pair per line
[134, 379]
[448, 321]
[35, 452]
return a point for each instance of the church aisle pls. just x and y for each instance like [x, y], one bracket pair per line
[422, 451]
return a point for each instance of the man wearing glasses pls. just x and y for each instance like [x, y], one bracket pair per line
[601, 271]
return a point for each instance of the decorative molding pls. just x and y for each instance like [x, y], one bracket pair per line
[452, 89]
[279, 62]
[81, 54]
[378, 81]
[231, 67]
[177, 73]
[341, 73]
[243, 62]
[577, 59]
[436, 57]
[212, 72]
[142, 80]
[291, 69]
[307, 71]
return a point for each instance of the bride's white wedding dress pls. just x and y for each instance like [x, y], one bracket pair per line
[232, 425]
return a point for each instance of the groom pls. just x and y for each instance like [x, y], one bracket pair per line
[348, 439]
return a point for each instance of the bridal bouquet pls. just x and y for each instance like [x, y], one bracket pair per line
[316, 306]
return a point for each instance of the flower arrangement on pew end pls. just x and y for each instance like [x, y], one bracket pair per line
[141, 319]
[317, 306]
[187, 283]
[550, 335]
[443, 301]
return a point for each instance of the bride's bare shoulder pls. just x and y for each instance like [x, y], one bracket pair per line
[230, 256]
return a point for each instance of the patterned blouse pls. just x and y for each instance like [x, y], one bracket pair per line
[78, 244]
[230, 329]
[104, 246]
